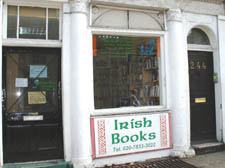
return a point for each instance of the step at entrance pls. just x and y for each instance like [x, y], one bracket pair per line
[48, 164]
[211, 147]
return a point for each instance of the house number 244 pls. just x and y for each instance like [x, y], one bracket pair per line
[197, 65]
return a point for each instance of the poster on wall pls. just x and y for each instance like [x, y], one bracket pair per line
[120, 135]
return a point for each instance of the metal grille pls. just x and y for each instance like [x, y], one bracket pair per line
[165, 163]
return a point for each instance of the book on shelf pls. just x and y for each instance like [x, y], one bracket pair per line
[151, 91]
[151, 63]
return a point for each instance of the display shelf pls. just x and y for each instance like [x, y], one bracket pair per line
[152, 97]
[152, 69]
[147, 88]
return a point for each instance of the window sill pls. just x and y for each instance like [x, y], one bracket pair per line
[31, 43]
[129, 110]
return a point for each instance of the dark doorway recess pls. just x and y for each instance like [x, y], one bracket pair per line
[202, 96]
[32, 113]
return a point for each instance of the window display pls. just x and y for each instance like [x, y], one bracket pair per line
[126, 71]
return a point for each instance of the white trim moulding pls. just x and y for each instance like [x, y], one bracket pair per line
[32, 43]
[196, 47]
[118, 32]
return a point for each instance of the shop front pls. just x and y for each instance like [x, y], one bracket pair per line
[98, 82]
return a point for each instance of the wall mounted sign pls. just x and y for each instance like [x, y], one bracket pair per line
[119, 135]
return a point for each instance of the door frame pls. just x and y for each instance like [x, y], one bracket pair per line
[24, 44]
[217, 86]
[4, 42]
[59, 146]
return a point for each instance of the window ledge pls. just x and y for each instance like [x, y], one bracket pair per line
[31, 43]
[129, 110]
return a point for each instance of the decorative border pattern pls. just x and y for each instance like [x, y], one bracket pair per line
[102, 138]
[163, 130]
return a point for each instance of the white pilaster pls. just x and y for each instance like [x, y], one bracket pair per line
[221, 36]
[80, 84]
[178, 84]
[66, 84]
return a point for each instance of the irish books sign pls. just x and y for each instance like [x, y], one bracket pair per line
[119, 135]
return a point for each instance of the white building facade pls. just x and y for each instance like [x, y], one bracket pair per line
[179, 47]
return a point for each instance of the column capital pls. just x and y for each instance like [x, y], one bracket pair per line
[79, 6]
[174, 15]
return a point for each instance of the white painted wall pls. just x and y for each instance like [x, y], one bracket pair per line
[131, 158]
[221, 32]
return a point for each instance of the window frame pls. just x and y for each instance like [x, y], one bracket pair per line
[31, 42]
[163, 95]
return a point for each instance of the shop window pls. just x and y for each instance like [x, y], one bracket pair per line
[126, 71]
[197, 36]
[33, 23]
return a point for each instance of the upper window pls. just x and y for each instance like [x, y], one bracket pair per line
[197, 36]
[126, 71]
[33, 23]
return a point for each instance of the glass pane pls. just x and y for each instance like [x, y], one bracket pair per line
[32, 23]
[12, 22]
[32, 77]
[197, 36]
[126, 71]
[53, 24]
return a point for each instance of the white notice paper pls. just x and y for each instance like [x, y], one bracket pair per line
[38, 71]
[21, 82]
[33, 118]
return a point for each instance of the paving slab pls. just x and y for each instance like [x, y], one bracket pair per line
[212, 160]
